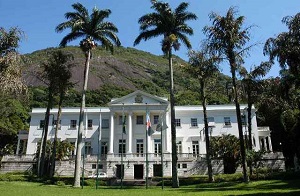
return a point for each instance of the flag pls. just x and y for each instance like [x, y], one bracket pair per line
[148, 123]
[124, 124]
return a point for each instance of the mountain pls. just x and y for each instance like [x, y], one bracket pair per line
[128, 69]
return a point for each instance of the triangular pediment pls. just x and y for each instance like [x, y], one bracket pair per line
[139, 97]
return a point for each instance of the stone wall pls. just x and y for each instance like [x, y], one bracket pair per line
[10, 163]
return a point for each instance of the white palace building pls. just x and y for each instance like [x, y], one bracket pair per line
[103, 133]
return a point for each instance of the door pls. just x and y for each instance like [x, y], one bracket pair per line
[157, 170]
[120, 171]
[138, 171]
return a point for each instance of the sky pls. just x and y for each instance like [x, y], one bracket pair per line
[38, 19]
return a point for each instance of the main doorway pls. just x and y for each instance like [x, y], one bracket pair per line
[120, 172]
[157, 170]
[138, 171]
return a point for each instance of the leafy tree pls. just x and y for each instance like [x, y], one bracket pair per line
[204, 67]
[171, 24]
[228, 38]
[11, 80]
[92, 28]
[13, 118]
[226, 147]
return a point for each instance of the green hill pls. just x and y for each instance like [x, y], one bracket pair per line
[127, 70]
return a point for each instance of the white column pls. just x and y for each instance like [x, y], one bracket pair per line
[167, 139]
[18, 147]
[129, 133]
[270, 144]
[111, 137]
[148, 137]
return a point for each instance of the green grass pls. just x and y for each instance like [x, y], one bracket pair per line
[271, 187]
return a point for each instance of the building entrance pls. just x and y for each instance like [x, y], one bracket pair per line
[120, 172]
[157, 170]
[138, 171]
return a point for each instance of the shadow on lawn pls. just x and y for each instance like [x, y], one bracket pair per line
[292, 187]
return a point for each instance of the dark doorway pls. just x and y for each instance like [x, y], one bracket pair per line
[120, 173]
[157, 170]
[138, 171]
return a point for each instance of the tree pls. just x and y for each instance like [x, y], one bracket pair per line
[226, 147]
[172, 26]
[11, 80]
[62, 67]
[252, 85]
[286, 47]
[227, 37]
[204, 67]
[92, 28]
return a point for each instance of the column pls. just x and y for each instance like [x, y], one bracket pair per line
[111, 137]
[167, 140]
[149, 137]
[270, 144]
[129, 133]
[18, 147]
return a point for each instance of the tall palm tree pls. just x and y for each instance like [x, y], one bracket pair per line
[252, 84]
[228, 38]
[172, 26]
[204, 66]
[92, 28]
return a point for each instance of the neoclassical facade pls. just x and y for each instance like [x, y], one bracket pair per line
[118, 134]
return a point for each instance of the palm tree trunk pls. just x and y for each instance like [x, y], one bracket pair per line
[239, 120]
[175, 180]
[81, 116]
[46, 128]
[249, 129]
[207, 143]
[53, 157]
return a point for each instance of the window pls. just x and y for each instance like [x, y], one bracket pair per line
[194, 122]
[105, 124]
[122, 148]
[90, 124]
[178, 122]
[73, 124]
[227, 121]
[139, 147]
[184, 165]
[42, 124]
[156, 119]
[94, 166]
[88, 148]
[59, 124]
[179, 147]
[195, 145]
[157, 147]
[178, 166]
[103, 148]
[139, 120]
[243, 118]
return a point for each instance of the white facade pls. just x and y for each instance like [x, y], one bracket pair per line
[135, 106]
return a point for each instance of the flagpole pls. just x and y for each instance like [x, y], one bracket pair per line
[99, 148]
[162, 155]
[147, 166]
[122, 147]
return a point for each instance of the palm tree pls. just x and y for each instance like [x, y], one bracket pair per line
[228, 38]
[204, 67]
[92, 28]
[62, 74]
[172, 26]
[252, 85]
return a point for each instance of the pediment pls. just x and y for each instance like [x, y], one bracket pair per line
[139, 98]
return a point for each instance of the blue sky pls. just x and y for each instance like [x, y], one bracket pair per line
[38, 19]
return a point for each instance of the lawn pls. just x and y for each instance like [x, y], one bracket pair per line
[271, 187]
